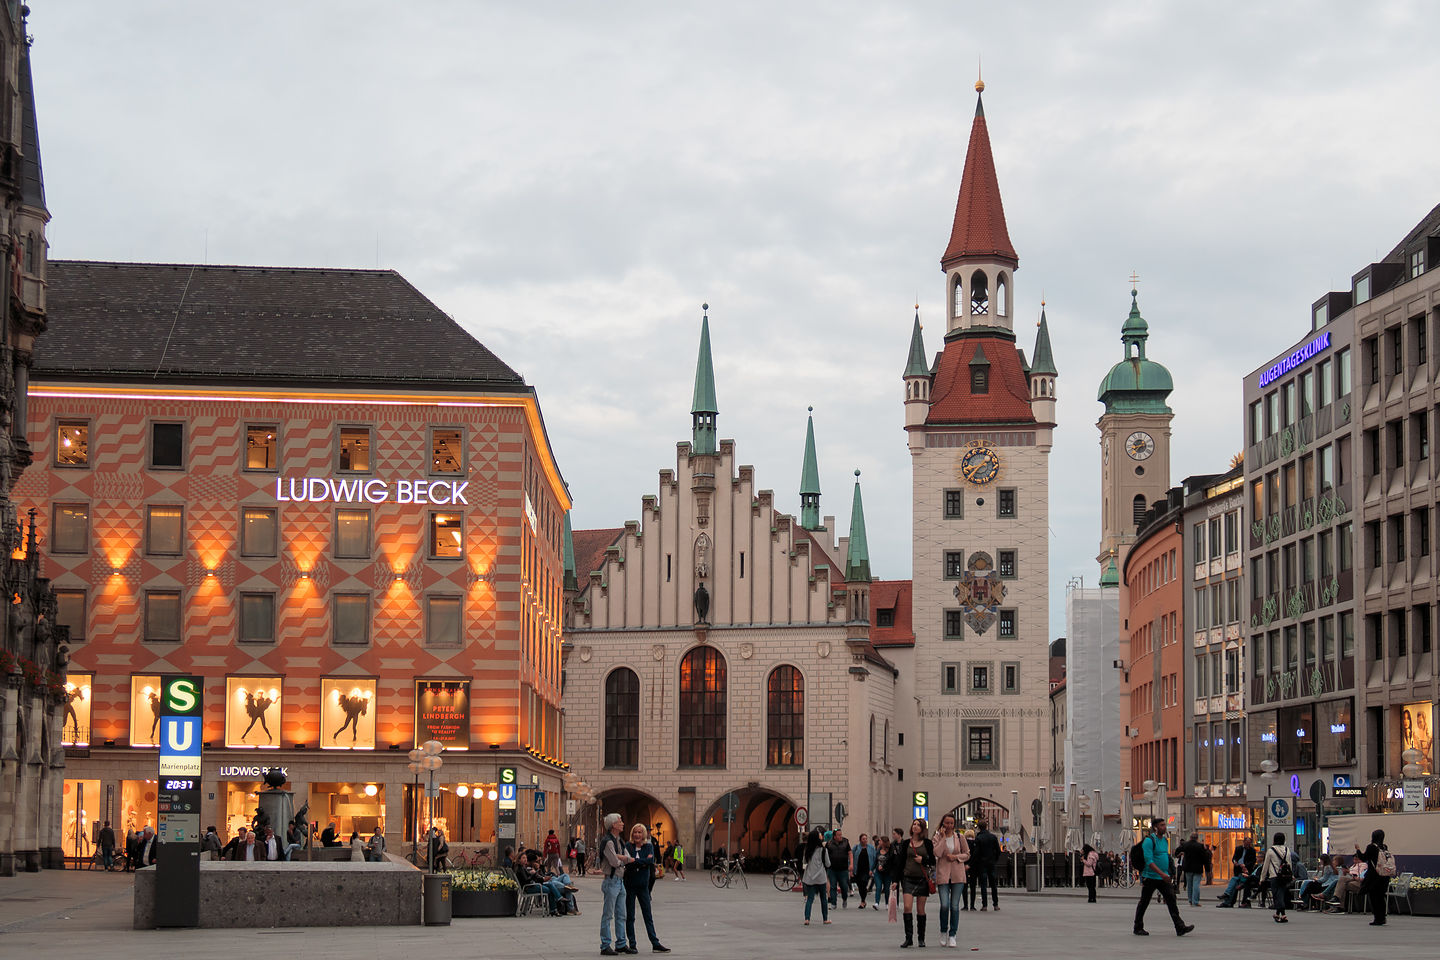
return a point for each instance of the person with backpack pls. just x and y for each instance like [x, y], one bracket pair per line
[1153, 855]
[815, 871]
[551, 851]
[1380, 863]
[1278, 871]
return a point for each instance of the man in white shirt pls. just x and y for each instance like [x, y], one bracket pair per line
[147, 847]
[272, 846]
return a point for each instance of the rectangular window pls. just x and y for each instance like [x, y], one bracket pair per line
[1008, 626]
[980, 746]
[1397, 352]
[1417, 263]
[950, 682]
[1199, 537]
[954, 564]
[954, 625]
[1215, 541]
[162, 615]
[259, 532]
[1005, 502]
[1342, 373]
[1287, 403]
[1202, 607]
[1347, 635]
[1307, 560]
[167, 446]
[1420, 433]
[1202, 677]
[70, 612]
[1422, 627]
[885, 618]
[1326, 542]
[980, 678]
[355, 450]
[1272, 413]
[1232, 532]
[257, 617]
[1327, 468]
[442, 621]
[163, 524]
[1257, 423]
[1006, 564]
[1010, 678]
[954, 504]
[1327, 639]
[1421, 347]
[1422, 531]
[980, 379]
[1307, 478]
[447, 541]
[1362, 292]
[71, 533]
[72, 443]
[1397, 539]
[1326, 384]
[352, 534]
[1307, 393]
[351, 618]
[260, 447]
[447, 453]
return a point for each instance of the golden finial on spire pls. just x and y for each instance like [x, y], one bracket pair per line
[979, 81]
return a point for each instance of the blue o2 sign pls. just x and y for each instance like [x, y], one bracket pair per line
[1296, 359]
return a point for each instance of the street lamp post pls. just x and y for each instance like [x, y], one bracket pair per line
[416, 756]
[430, 761]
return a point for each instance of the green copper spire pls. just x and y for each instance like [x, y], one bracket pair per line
[571, 581]
[1135, 384]
[917, 367]
[810, 478]
[857, 558]
[1111, 577]
[703, 408]
[1044, 362]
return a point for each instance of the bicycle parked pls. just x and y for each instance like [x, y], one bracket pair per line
[725, 872]
[787, 875]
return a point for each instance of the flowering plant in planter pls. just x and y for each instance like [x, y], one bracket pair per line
[34, 676]
[7, 661]
[488, 881]
[1425, 883]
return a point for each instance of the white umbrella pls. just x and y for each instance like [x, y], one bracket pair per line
[1162, 804]
[1097, 815]
[1127, 816]
[1072, 806]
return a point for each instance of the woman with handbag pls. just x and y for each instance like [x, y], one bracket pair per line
[916, 865]
[951, 852]
[815, 867]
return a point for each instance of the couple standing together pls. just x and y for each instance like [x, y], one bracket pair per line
[628, 871]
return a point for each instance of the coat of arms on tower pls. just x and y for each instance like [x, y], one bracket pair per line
[980, 592]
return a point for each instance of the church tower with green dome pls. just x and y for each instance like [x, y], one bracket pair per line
[1134, 439]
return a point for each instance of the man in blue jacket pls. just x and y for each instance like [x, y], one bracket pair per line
[1156, 878]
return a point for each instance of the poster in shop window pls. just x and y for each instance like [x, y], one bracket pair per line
[75, 730]
[347, 714]
[1416, 734]
[442, 712]
[252, 712]
[145, 710]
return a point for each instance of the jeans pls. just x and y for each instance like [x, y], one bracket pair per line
[107, 857]
[612, 908]
[813, 890]
[1167, 894]
[1192, 887]
[1280, 895]
[1233, 889]
[882, 888]
[839, 882]
[288, 849]
[981, 873]
[950, 894]
[639, 890]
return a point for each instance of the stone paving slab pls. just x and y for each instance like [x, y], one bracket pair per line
[70, 914]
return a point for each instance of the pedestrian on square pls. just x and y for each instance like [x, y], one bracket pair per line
[815, 871]
[1089, 860]
[1374, 883]
[580, 856]
[916, 863]
[1209, 864]
[1277, 871]
[1155, 878]
[613, 859]
[864, 867]
[357, 847]
[679, 861]
[551, 851]
[882, 871]
[839, 849]
[209, 844]
[984, 855]
[951, 855]
[639, 878]
[1193, 860]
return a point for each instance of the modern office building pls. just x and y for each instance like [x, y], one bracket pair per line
[317, 491]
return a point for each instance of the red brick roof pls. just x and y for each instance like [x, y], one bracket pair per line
[590, 548]
[979, 229]
[891, 595]
[1008, 399]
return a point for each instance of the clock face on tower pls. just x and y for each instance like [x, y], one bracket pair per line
[1139, 445]
[980, 463]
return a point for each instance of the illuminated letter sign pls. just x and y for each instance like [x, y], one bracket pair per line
[322, 490]
[1298, 358]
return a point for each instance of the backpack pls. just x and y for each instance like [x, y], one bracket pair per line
[1137, 857]
[1284, 874]
[1385, 863]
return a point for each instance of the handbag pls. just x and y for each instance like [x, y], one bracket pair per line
[895, 903]
[930, 879]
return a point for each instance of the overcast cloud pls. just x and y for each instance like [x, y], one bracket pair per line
[572, 180]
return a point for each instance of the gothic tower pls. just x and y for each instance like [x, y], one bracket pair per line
[1134, 439]
[979, 423]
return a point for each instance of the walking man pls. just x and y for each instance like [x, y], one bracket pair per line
[107, 845]
[1155, 850]
[1194, 859]
[983, 857]
[613, 859]
[839, 849]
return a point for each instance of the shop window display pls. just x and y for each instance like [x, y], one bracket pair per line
[145, 710]
[1416, 734]
[252, 712]
[351, 807]
[80, 812]
[137, 806]
[347, 715]
[75, 731]
[442, 712]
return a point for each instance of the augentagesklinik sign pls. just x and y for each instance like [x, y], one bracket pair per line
[362, 490]
[1290, 362]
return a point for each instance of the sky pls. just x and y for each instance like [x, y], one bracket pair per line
[571, 181]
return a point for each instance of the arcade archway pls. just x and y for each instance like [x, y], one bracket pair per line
[636, 806]
[763, 828]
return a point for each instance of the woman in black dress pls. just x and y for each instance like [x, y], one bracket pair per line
[910, 864]
[1376, 886]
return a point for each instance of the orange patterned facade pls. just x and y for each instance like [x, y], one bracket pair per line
[369, 623]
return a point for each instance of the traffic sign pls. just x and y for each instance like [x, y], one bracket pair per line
[802, 816]
[1281, 812]
[539, 801]
[1317, 791]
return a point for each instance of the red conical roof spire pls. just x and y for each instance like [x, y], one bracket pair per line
[979, 229]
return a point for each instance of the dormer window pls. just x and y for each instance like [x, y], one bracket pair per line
[1362, 289]
[1417, 263]
[979, 379]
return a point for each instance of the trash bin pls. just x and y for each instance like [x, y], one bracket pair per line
[437, 899]
[1032, 877]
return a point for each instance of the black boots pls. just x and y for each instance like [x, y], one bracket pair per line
[909, 931]
[921, 921]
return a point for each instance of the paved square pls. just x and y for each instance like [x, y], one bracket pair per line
[87, 915]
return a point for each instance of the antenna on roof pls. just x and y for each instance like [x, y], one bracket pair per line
[206, 258]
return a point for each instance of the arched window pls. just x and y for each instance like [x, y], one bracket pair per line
[702, 708]
[957, 302]
[1139, 509]
[785, 709]
[885, 745]
[872, 738]
[1002, 287]
[622, 718]
[979, 294]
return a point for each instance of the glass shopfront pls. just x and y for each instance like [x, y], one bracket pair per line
[464, 812]
[352, 807]
[81, 815]
[137, 807]
[1222, 828]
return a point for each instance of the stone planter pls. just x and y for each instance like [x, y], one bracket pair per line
[1425, 902]
[483, 903]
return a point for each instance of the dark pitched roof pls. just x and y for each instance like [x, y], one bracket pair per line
[32, 178]
[590, 547]
[891, 595]
[268, 324]
[979, 229]
[1428, 225]
[1007, 399]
